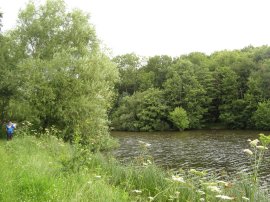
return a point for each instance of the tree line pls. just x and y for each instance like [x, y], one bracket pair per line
[227, 89]
[54, 73]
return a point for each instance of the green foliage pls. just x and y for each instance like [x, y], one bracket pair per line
[128, 65]
[159, 66]
[60, 76]
[183, 88]
[223, 88]
[224, 93]
[148, 114]
[179, 118]
[261, 116]
[52, 72]
[8, 84]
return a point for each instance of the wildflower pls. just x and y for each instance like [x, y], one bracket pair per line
[200, 192]
[224, 197]
[214, 189]
[145, 164]
[177, 193]
[261, 147]
[245, 198]
[137, 191]
[196, 172]
[178, 179]
[98, 176]
[202, 199]
[147, 144]
[254, 142]
[209, 183]
[151, 198]
[149, 162]
[226, 184]
[248, 151]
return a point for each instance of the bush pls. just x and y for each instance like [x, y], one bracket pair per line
[262, 116]
[143, 111]
[179, 118]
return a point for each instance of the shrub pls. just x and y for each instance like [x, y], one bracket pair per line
[179, 118]
[262, 116]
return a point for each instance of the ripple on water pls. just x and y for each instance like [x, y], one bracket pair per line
[213, 150]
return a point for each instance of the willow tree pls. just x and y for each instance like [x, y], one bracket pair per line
[66, 81]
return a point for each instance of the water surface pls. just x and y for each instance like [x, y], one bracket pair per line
[218, 151]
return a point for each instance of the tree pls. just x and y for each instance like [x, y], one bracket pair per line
[8, 83]
[143, 111]
[158, 65]
[179, 118]
[224, 93]
[183, 89]
[128, 66]
[71, 81]
[262, 116]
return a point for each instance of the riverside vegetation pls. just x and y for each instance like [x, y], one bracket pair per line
[42, 167]
[55, 74]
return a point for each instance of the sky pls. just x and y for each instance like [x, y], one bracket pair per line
[168, 27]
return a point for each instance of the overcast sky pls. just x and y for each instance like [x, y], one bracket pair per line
[171, 27]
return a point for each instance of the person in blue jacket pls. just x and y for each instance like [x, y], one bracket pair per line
[10, 130]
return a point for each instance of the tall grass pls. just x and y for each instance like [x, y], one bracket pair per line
[47, 169]
[32, 170]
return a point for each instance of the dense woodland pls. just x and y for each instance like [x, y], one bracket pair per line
[54, 73]
[227, 89]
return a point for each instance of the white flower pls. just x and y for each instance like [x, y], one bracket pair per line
[137, 191]
[248, 151]
[98, 176]
[200, 192]
[147, 144]
[223, 183]
[151, 198]
[245, 198]
[261, 147]
[254, 142]
[149, 162]
[224, 197]
[177, 193]
[214, 189]
[178, 179]
[202, 199]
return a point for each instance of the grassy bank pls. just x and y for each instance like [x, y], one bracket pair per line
[47, 169]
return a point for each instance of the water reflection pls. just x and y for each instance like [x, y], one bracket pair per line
[214, 150]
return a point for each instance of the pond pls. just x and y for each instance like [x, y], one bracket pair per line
[217, 151]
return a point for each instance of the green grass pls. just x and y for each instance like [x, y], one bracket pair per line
[32, 170]
[47, 169]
